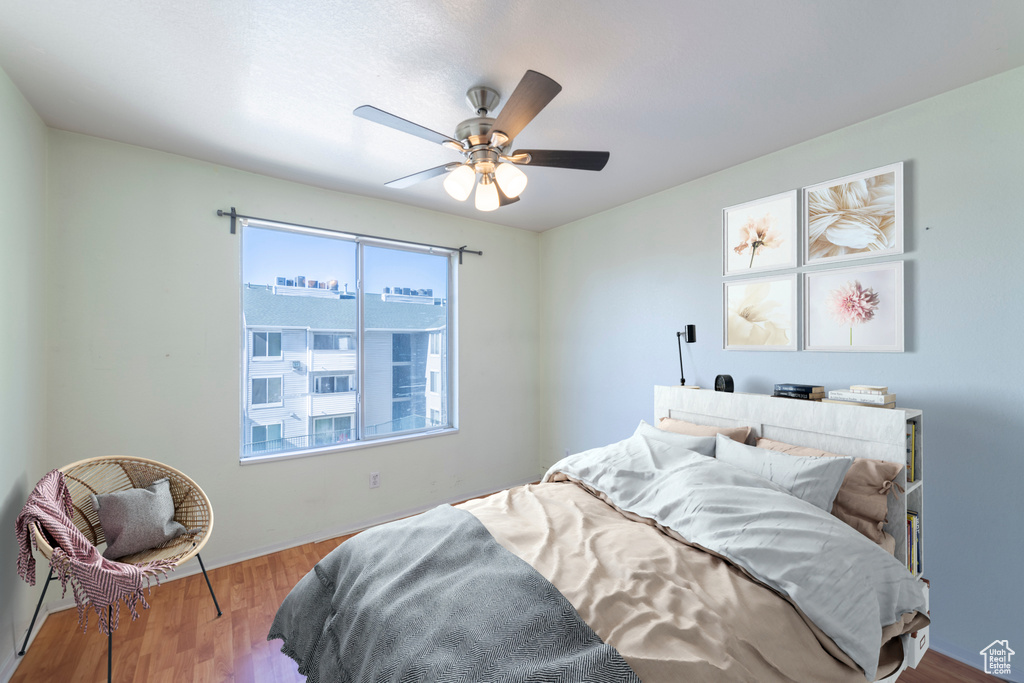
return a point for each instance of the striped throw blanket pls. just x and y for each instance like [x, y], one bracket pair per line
[95, 580]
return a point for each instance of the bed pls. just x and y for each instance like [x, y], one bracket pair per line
[645, 560]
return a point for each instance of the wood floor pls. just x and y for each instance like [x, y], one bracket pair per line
[180, 637]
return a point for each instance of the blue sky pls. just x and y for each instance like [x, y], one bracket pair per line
[267, 254]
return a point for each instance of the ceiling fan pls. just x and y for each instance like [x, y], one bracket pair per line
[485, 143]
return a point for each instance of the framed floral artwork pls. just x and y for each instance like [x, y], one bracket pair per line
[760, 235]
[761, 314]
[857, 216]
[854, 309]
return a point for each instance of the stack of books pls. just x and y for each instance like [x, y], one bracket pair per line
[863, 395]
[912, 472]
[807, 392]
[913, 542]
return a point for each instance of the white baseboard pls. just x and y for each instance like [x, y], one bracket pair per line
[8, 666]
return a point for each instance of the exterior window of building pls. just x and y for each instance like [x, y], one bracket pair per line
[266, 391]
[331, 430]
[339, 352]
[266, 437]
[332, 384]
[266, 344]
[333, 342]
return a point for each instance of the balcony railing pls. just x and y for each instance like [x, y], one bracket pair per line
[322, 439]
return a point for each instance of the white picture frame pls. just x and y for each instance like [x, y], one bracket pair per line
[854, 217]
[760, 314]
[854, 309]
[761, 235]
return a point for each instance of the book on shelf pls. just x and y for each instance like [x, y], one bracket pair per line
[802, 388]
[865, 397]
[913, 542]
[869, 389]
[891, 404]
[911, 451]
[798, 395]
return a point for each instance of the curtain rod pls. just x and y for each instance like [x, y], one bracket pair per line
[234, 216]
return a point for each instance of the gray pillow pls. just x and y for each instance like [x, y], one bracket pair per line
[705, 445]
[137, 519]
[816, 480]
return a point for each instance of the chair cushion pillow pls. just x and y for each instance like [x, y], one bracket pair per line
[137, 519]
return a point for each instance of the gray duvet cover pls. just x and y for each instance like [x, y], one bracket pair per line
[435, 598]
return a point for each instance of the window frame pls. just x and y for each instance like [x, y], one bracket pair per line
[267, 404]
[266, 358]
[449, 350]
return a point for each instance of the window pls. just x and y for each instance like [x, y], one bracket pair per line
[266, 344]
[266, 438]
[401, 348]
[266, 391]
[333, 342]
[330, 430]
[366, 359]
[332, 384]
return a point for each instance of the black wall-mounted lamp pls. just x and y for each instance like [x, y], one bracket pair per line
[689, 335]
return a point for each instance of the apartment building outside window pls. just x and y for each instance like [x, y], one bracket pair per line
[348, 341]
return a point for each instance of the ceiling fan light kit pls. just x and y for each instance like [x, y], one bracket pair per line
[460, 182]
[487, 194]
[485, 143]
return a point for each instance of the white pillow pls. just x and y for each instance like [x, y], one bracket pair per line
[816, 480]
[705, 445]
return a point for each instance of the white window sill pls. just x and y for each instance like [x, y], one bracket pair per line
[352, 445]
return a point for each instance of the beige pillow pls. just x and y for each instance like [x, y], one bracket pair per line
[683, 427]
[863, 499]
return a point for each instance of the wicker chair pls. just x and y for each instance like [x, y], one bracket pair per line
[109, 474]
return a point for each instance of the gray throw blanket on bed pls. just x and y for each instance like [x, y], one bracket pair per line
[436, 598]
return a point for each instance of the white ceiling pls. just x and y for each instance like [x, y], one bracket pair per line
[675, 90]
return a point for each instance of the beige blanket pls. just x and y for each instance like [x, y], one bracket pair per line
[673, 611]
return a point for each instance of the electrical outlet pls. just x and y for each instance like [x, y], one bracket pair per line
[374, 480]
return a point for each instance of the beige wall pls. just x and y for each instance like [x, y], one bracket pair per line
[22, 344]
[144, 356]
[617, 286]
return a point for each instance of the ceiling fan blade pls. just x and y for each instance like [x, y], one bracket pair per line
[562, 158]
[411, 180]
[504, 199]
[398, 123]
[532, 94]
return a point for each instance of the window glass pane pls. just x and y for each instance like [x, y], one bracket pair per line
[259, 391]
[274, 390]
[401, 350]
[406, 303]
[259, 433]
[259, 343]
[274, 344]
[273, 432]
